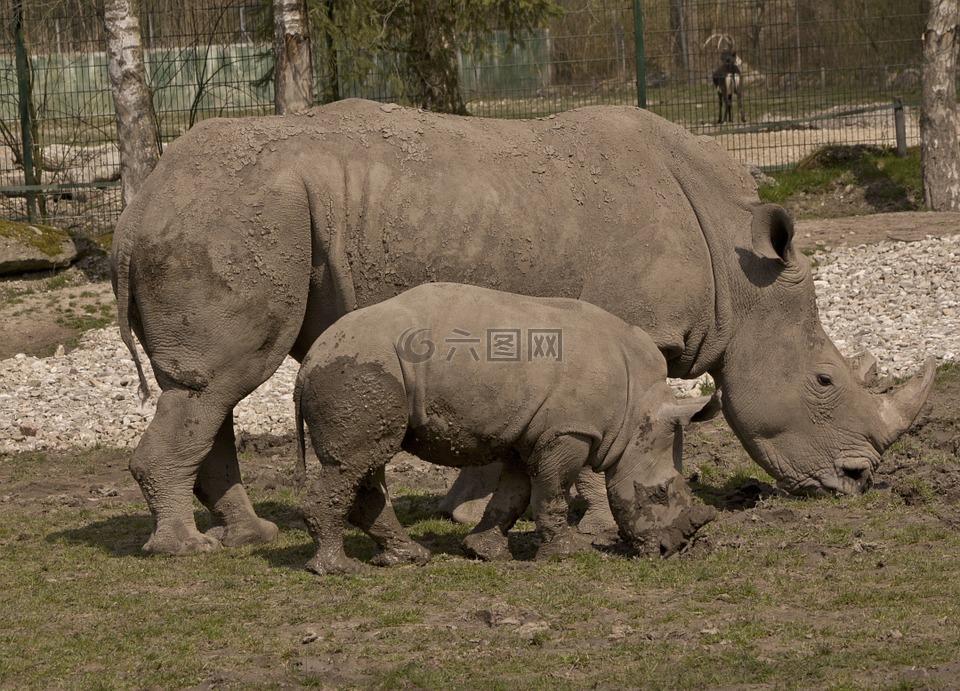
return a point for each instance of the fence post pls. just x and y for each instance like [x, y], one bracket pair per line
[23, 84]
[900, 127]
[638, 41]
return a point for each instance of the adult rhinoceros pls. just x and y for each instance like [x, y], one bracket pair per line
[248, 225]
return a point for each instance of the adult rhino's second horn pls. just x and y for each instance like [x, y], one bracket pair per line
[900, 408]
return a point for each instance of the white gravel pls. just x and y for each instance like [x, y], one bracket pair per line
[899, 300]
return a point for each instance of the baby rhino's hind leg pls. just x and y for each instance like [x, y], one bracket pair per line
[373, 513]
[357, 418]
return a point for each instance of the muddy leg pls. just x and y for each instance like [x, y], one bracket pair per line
[324, 508]
[488, 540]
[220, 489]
[166, 463]
[598, 520]
[373, 513]
[357, 414]
[555, 466]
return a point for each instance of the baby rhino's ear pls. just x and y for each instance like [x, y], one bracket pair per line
[686, 410]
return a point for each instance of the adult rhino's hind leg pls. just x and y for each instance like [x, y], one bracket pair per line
[217, 306]
[220, 488]
[166, 463]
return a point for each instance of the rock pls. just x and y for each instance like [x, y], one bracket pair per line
[33, 247]
[759, 176]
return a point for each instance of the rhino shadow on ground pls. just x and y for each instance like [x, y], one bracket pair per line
[123, 536]
[118, 536]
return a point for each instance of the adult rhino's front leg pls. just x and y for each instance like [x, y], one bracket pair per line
[467, 498]
[488, 539]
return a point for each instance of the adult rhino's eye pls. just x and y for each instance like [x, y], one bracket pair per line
[824, 380]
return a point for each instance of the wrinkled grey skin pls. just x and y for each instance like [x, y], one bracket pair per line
[252, 236]
[403, 374]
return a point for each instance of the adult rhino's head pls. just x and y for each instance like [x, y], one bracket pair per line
[801, 409]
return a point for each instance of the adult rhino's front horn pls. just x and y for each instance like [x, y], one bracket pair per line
[901, 407]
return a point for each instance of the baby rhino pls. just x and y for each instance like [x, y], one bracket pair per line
[465, 376]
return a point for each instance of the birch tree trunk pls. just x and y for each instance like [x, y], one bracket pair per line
[136, 120]
[939, 148]
[293, 70]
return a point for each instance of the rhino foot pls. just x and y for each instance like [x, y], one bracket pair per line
[407, 553]
[489, 545]
[600, 525]
[563, 544]
[182, 541]
[252, 531]
[324, 565]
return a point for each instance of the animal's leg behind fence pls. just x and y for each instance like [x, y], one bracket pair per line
[739, 82]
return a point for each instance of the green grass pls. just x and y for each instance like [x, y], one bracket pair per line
[14, 296]
[82, 607]
[58, 281]
[769, 604]
[85, 322]
[888, 178]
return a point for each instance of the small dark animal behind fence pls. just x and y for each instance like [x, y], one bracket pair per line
[727, 79]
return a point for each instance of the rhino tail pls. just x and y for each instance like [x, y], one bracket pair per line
[121, 287]
[300, 471]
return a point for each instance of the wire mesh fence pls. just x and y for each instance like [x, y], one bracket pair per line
[810, 74]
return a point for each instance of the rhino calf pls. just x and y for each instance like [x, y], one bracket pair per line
[547, 385]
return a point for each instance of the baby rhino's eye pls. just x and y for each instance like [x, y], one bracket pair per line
[824, 380]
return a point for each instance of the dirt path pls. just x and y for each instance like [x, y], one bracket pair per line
[906, 226]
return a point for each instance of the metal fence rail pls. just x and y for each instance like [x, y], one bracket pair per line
[813, 74]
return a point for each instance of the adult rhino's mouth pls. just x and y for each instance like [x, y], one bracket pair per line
[849, 476]
[806, 487]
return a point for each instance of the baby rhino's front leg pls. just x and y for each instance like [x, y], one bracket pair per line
[554, 465]
[488, 540]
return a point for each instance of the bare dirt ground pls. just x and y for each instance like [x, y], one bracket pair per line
[922, 472]
[43, 310]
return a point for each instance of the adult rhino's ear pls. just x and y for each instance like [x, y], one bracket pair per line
[686, 410]
[772, 232]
